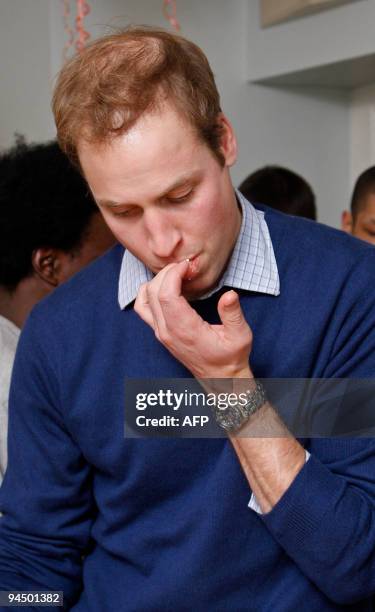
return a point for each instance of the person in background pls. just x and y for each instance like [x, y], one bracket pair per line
[50, 228]
[281, 189]
[360, 220]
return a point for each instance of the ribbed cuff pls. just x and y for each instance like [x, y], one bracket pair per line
[253, 503]
[303, 507]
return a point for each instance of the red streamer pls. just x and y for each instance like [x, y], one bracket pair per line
[81, 35]
[83, 10]
[170, 13]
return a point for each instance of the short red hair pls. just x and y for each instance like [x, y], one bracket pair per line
[101, 92]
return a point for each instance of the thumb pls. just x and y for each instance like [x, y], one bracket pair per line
[230, 311]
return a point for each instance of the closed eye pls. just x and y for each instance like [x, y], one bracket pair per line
[182, 198]
[124, 213]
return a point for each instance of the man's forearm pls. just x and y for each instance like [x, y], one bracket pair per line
[269, 456]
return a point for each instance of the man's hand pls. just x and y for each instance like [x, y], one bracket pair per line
[222, 351]
[208, 351]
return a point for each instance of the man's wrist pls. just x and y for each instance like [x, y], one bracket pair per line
[243, 373]
[235, 415]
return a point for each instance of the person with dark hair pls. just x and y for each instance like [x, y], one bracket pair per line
[202, 285]
[360, 220]
[281, 189]
[50, 228]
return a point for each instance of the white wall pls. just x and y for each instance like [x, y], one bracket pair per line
[306, 130]
[24, 70]
[329, 36]
[362, 130]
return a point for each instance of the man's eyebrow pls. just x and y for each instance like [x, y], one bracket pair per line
[181, 182]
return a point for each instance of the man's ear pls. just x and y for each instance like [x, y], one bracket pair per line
[47, 266]
[228, 140]
[347, 222]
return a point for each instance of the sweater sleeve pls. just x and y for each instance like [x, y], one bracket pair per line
[325, 521]
[46, 499]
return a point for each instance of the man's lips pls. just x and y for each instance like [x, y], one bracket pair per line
[192, 270]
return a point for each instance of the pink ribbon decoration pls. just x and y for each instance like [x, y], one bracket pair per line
[170, 13]
[83, 10]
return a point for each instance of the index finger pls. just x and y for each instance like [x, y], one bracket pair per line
[170, 281]
[174, 306]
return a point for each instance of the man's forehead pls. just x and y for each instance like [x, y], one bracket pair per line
[145, 161]
[161, 116]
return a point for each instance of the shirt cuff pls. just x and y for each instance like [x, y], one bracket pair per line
[253, 504]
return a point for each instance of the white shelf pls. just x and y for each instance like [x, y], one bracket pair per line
[333, 48]
[346, 74]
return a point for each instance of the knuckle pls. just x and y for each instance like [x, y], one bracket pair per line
[142, 291]
[245, 340]
[147, 291]
[162, 336]
[164, 301]
[248, 333]
[237, 319]
[247, 343]
[164, 296]
[186, 337]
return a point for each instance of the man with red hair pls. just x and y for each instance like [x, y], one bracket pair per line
[209, 286]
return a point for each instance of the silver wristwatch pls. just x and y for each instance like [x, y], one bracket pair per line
[234, 416]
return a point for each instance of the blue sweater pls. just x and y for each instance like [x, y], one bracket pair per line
[165, 524]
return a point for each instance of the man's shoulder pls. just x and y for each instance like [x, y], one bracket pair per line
[281, 224]
[92, 290]
[314, 244]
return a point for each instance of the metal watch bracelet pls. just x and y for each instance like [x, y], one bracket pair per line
[234, 416]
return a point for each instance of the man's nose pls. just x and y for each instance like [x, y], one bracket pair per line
[163, 235]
